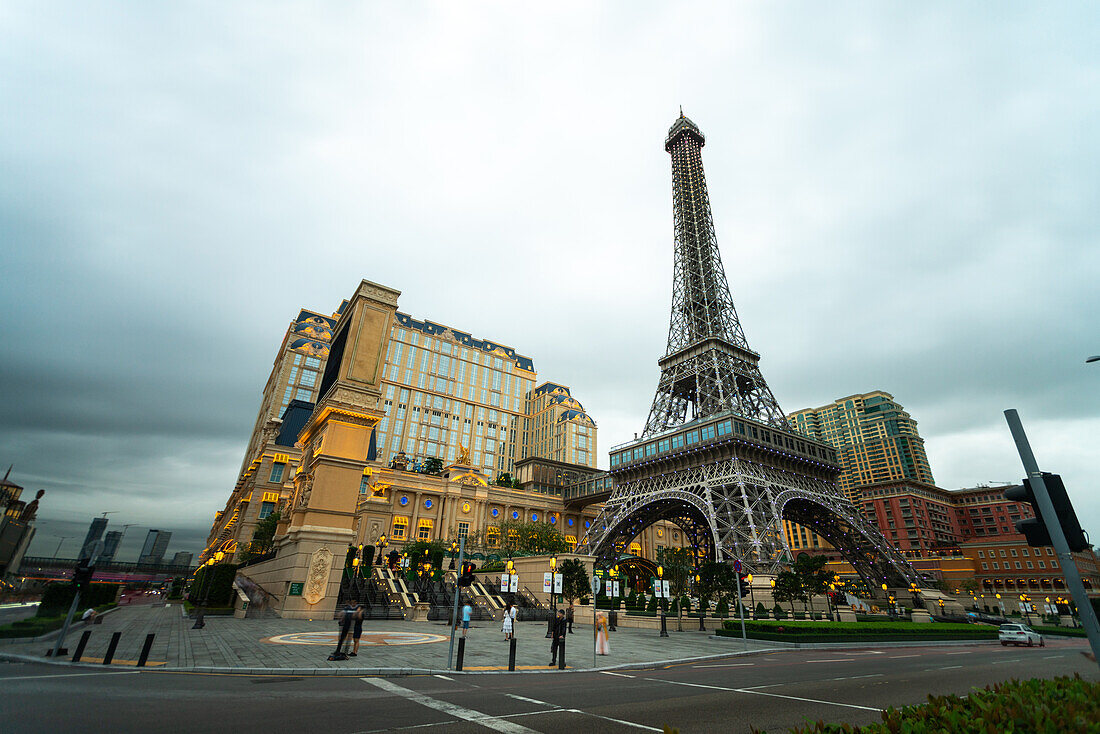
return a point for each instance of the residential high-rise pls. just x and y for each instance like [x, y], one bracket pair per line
[156, 543]
[182, 558]
[95, 532]
[110, 545]
[557, 427]
[875, 439]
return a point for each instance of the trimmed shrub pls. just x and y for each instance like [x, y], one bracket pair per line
[59, 596]
[722, 610]
[779, 612]
[437, 558]
[858, 631]
[1061, 704]
[761, 611]
[652, 606]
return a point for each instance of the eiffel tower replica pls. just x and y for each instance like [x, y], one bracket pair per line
[718, 457]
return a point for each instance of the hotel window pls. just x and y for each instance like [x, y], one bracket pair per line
[364, 484]
[492, 536]
[572, 541]
[1018, 564]
[424, 531]
[1002, 553]
[400, 527]
[1030, 564]
[277, 473]
[313, 362]
[464, 530]
[1042, 564]
[306, 395]
[985, 566]
[636, 549]
[266, 509]
[1013, 552]
[996, 565]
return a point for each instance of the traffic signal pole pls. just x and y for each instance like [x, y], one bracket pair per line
[65, 627]
[1057, 537]
[454, 614]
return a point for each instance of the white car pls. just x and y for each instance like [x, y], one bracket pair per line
[1019, 634]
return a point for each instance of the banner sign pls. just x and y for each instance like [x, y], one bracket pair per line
[547, 582]
[505, 582]
[514, 585]
[557, 583]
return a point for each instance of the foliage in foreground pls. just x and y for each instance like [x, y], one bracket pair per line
[1060, 705]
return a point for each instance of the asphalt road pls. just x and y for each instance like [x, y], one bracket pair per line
[770, 691]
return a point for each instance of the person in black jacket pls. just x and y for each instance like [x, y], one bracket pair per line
[558, 640]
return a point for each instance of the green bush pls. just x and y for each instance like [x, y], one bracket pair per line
[779, 612]
[492, 566]
[761, 611]
[32, 627]
[1064, 631]
[858, 631]
[1060, 705]
[58, 597]
[652, 606]
[722, 609]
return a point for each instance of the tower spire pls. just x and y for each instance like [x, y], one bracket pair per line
[708, 367]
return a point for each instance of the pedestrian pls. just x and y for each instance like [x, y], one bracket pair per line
[507, 624]
[569, 617]
[467, 612]
[89, 616]
[558, 639]
[357, 630]
[603, 647]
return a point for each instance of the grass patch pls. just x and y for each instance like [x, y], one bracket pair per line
[1060, 705]
[31, 627]
[783, 631]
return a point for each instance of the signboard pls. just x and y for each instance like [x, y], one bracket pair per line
[513, 585]
[557, 583]
[595, 585]
[547, 582]
[505, 582]
[664, 589]
[296, 588]
[655, 584]
[610, 588]
[737, 565]
[616, 587]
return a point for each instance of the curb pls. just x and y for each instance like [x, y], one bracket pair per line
[375, 672]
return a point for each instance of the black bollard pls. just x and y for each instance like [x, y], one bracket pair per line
[81, 645]
[561, 655]
[702, 616]
[612, 618]
[664, 631]
[145, 650]
[512, 654]
[111, 648]
[461, 652]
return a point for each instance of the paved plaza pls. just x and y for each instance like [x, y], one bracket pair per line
[303, 646]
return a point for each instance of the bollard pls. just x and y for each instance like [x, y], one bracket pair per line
[561, 658]
[512, 654]
[612, 618]
[81, 645]
[461, 652]
[664, 630]
[111, 648]
[145, 650]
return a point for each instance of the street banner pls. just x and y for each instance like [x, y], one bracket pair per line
[514, 583]
[610, 588]
[504, 582]
[664, 589]
[557, 583]
[547, 582]
[616, 587]
[595, 585]
[655, 584]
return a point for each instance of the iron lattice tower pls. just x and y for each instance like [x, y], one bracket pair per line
[733, 469]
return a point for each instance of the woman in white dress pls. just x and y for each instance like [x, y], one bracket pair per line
[603, 647]
[509, 618]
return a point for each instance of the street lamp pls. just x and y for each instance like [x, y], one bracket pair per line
[381, 547]
[752, 597]
[553, 600]
[702, 607]
[454, 554]
[661, 575]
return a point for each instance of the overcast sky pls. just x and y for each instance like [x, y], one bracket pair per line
[905, 197]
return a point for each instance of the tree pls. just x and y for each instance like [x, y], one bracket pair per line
[677, 564]
[504, 479]
[813, 576]
[574, 579]
[717, 581]
[262, 535]
[433, 465]
[531, 537]
[788, 588]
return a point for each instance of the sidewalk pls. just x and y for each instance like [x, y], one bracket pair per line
[300, 647]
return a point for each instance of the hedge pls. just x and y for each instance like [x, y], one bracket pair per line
[1060, 705]
[783, 631]
[1063, 631]
[36, 626]
[215, 583]
[58, 597]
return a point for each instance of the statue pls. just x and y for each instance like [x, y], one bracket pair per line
[463, 455]
[32, 509]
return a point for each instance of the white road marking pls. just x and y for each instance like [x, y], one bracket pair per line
[833, 660]
[437, 675]
[727, 665]
[1002, 662]
[619, 675]
[950, 667]
[530, 700]
[692, 685]
[965, 652]
[857, 677]
[899, 657]
[70, 675]
[1051, 657]
[807, 700]
[617, 721]
[451, 709]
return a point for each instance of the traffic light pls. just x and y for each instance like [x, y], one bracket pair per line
[82, 576]
[467, 576]
[1033, 528]
[744, 583]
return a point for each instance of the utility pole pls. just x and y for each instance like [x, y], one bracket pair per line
[1057, 537]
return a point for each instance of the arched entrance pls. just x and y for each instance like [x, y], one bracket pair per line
[684, 509]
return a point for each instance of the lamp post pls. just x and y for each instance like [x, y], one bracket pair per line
[454, 554]
[702, 605]
[752, 597]
[200, 621]
[660, 576]
[553, 600]
[915, 591]
[1024, 606]
[774, 602]
[381, 548]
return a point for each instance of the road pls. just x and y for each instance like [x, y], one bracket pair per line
[770, 691]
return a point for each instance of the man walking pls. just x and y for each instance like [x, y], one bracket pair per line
[357, 630]
[558, 639]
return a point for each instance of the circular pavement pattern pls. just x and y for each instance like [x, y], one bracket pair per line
[368, 638]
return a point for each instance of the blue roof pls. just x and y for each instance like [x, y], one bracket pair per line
[462, 337]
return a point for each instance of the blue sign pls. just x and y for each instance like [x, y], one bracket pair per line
[737, 565]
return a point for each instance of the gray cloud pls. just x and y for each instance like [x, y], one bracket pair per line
[904, 198]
